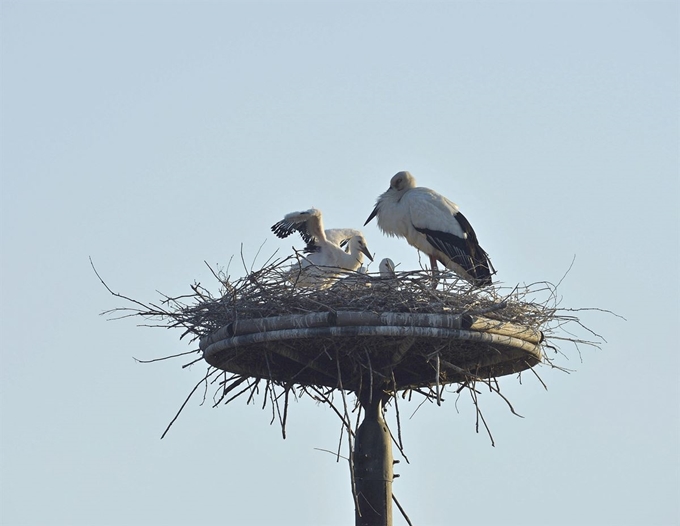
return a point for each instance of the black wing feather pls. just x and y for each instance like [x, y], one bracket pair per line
[285, 228]
[465, 252]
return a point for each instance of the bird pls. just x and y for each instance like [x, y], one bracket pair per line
[435, 226]
[341, 236]
[335, 250]
[362, 279]
[386, 269]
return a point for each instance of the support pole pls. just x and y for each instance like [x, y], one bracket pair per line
[373, 465]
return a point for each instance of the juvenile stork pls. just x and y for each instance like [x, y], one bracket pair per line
[434, 225]
[324, 247]
[386, 269]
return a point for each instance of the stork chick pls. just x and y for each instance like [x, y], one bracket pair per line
[324, 247]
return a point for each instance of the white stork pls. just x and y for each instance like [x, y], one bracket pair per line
[341, 236]
[324, 247]
[386, 269]
[434, 225]
[361, 279]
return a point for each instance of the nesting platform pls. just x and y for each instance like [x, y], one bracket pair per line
[403, 350]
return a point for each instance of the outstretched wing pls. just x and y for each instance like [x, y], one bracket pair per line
[307, 224]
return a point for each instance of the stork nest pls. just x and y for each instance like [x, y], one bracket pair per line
[363, 334]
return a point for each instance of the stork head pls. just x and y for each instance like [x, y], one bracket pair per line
[402, 181]
[358, 243]
[387, 268]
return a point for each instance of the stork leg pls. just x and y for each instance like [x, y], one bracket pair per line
[435, 272]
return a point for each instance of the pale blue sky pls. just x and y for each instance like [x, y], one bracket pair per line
[155, 135]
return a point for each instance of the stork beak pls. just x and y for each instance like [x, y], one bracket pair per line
[373, 214]
[365, 251]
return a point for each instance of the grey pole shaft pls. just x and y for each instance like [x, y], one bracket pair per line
[373, 466]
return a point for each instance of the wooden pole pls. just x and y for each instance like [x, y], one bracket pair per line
[373, 465]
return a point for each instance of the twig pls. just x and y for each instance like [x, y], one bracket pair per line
[226, 390]
[204, 379]
[247, 387]
[403, 513]
[349, 436]
[401, 449]
[326, 400]
[439, 400]
[480, 416]
[331, 452]
[539, 378]
[166, 357]
[396, 409]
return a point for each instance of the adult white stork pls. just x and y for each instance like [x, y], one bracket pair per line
[324, 247]
[434, 225]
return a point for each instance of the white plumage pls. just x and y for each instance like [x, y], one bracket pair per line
[362, 279]
[325, 256]
[386, 269]
[434, 225]
[341, 236]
